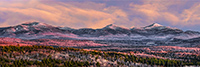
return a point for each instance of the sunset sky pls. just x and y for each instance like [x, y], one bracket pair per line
[183, 14]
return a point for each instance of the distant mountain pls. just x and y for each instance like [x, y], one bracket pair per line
[35, 29]
[31, 29]
[111, 33]
[154, 25]
[157, 29]
[108, 30]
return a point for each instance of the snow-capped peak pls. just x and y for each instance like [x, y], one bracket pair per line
[30, 26]
[112, 26]
[154, 25]
[34, 24]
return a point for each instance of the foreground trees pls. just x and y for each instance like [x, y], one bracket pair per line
[111, 56]
[45, 63]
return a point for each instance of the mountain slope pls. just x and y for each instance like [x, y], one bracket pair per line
[108, 30]
[36, 30]
[50, 42]
[31, 29]
[160, 30]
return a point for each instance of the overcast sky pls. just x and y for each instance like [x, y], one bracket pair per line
[183, 14]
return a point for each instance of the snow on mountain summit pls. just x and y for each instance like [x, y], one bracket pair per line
[112, 26]
[27, 26]
[154, 25]
[34, 24]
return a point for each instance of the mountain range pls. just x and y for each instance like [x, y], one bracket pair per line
[154, 34]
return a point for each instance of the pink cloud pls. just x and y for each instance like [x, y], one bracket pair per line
[94, 14]
[58, 13]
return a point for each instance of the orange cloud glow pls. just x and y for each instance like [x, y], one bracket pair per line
[97, 14]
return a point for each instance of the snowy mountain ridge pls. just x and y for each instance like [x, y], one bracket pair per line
[42, 30]
[110, 34]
